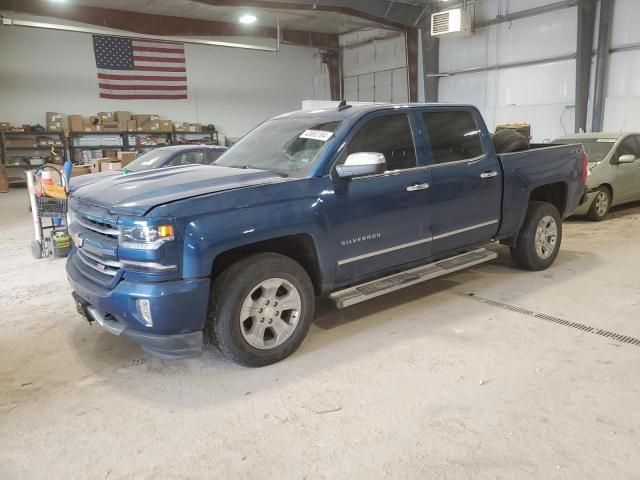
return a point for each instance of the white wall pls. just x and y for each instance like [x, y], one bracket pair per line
[542, 95]
[42, 70]
[622, 103]
[375, 71]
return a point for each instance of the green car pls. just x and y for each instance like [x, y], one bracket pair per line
[614, 170]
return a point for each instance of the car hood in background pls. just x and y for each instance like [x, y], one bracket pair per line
[137, 193]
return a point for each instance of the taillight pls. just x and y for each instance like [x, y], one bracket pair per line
[585, 167]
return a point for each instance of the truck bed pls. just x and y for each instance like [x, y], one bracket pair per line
[544, 164]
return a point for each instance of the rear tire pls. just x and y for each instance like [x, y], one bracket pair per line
[261, 309]
[507, 141]
[539, 239]
[600, 205]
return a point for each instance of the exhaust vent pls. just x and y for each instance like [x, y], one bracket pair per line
[450, 23]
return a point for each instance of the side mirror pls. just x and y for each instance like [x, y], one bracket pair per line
[361, 164]
[626, 158]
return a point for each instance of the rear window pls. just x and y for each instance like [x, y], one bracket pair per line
[597, 148]
[453, 136]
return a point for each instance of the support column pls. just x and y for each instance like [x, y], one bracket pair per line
[430, 59]
[584, 53]
[331, 58]
[411, 39]
[602, 60]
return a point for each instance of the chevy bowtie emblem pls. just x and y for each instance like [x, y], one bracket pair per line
[100, 266]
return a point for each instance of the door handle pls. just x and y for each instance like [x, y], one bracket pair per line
[417, 187]
[489, 174]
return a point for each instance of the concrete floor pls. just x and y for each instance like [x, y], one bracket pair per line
[426, 383]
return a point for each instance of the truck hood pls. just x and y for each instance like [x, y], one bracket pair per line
[84, 180]
[137, 193]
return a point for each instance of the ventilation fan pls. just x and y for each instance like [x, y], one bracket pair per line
[450, 23]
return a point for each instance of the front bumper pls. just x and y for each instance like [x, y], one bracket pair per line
[179, 311]
[585, 204]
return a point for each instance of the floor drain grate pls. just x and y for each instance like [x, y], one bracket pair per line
[560, 321]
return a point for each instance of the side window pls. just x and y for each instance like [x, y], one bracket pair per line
[187, 158]
[212, 156]
[390, 135]
[629, 146]
[453, 136]
[198, 157]
[177, 160]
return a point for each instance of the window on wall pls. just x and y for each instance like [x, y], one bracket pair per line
[453, 136]
[390, 135]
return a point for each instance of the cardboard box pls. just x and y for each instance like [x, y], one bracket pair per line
[21, 143]
[78, 170]
[122, 116]
[191, 127]
[122, 125]
[4, 179]
[140, 118]
[76, 123]
[132, 126]
[149, 126]
[166, 126]
[54, 126]
[110, 126]
[110, 153]
[93, 120]
[105, 116]
[5, 126]
[154, 117]
[110, 166]
[125, 158]
[53, 117]
[96, 164]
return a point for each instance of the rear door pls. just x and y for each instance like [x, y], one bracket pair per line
[381, 221]
[626, 187]
[466, 180]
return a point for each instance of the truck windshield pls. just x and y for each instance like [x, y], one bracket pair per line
[597, 148]
[153, 159]
[288, 146]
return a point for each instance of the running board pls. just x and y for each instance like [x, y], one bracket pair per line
[360, 293]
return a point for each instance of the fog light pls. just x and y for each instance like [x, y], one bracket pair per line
[144, 309]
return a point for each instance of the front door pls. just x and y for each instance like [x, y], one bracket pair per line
[381, 221]
[627, 176]
[466, 183]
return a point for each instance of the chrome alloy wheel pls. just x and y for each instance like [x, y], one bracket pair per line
[546, 237]
[602, 203]
[270, 313]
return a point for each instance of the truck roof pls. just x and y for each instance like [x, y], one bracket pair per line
[335, 114]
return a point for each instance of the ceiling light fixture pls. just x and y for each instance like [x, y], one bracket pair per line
[248, 19]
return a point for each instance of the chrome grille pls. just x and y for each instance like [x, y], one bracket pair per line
[101, 265]
[101, 227]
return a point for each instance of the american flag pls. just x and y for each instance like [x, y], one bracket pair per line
[132, 69]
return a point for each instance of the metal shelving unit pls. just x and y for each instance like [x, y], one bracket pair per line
[15, 170]
[67, 145]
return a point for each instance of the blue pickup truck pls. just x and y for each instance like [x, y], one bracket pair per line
[346, 203]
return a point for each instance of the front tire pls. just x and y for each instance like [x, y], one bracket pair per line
[600, 205]
[539, 239]
[261, 309]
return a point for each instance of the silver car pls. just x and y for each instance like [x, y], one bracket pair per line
[614, 170]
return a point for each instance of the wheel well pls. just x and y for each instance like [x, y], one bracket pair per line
[300, 248]
[554, 193]
[610, 188]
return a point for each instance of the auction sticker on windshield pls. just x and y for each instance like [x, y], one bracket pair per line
[316, 135]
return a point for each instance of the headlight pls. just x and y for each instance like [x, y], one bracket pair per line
[145, 237]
